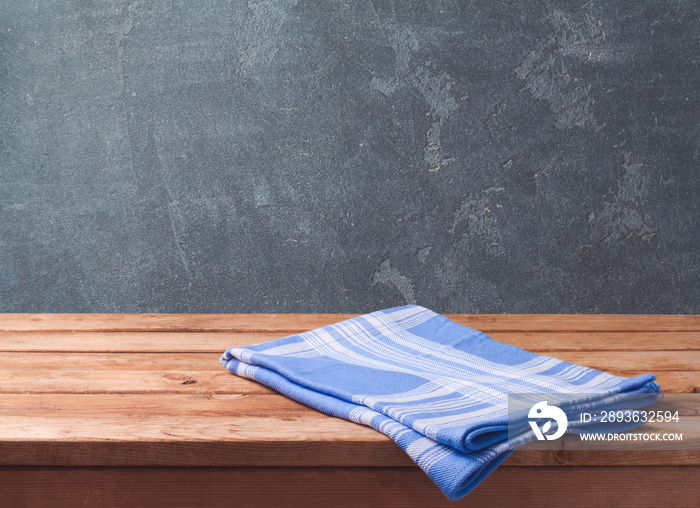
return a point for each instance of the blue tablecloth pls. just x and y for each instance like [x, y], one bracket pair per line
[437, 388]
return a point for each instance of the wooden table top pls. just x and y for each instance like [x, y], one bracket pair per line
[148, 389]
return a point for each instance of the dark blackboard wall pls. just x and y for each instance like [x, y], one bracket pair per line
[326, 156]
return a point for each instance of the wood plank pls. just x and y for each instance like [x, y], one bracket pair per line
[72, 429]
[205, 452]
[579, 323]
[651, 361]
[205, 342]
[197, 405]
[552, 342]
[210, 382]
[169, 373]
[124, 342]
[654, 361]
[270, 428]
[588, 458]
[158, 381]
[294, 323]
[127, 381]
[107, 406]
[283, 323]
[119, 362]
[633, 487]
[108, 361]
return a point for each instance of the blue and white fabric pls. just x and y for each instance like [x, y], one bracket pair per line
[437, 388]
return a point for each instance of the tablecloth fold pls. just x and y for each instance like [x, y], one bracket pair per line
[437, 388]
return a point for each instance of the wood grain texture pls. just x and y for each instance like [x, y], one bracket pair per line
[292, 323]
[91, 393]
[217, 342]
[213, 430]
[128, 378]
[626, 486]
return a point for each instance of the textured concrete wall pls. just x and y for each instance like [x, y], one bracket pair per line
[301, 156]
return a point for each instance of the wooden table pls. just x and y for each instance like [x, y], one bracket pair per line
[135, 410]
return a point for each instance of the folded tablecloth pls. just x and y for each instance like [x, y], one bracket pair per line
[437, 388]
